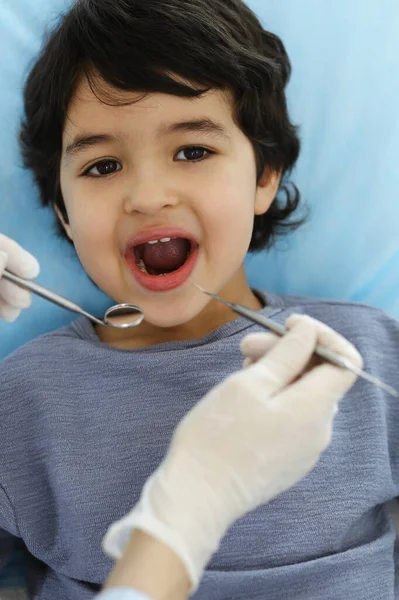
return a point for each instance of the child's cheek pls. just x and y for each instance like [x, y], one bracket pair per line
[94, 240]
[229, 221]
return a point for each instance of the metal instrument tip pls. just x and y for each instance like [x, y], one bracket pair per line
[199, 287]
[215, 296]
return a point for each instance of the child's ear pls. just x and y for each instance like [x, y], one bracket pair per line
[65, 225]
[266, 190]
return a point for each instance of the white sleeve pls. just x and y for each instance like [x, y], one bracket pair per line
[121, 593]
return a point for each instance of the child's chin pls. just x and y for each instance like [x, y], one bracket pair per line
[172, 317]
[168, 322]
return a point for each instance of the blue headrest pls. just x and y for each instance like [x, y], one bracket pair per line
[343, 94]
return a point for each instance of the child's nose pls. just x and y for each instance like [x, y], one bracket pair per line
[149, 197]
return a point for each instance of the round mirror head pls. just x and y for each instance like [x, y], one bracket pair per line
[123, 316]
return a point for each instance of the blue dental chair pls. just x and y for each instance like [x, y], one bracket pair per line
[343, 94]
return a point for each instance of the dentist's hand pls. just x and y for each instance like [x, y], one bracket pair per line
[249, 439]
[17, 260]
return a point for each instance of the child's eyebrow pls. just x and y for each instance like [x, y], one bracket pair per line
[204, 125]
[87, 140]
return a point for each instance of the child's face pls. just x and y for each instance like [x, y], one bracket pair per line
[149, 177]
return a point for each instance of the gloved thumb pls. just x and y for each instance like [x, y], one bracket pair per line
[3, 262]
[19, 260]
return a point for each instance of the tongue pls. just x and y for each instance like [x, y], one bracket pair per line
[165, 256]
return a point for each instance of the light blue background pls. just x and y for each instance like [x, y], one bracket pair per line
[344, 94]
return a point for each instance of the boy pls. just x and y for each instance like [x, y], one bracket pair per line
[158, 131]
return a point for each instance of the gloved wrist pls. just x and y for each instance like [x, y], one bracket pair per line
[188, 520]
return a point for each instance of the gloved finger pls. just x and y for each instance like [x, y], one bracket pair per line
[330, 339]
[319, 390]
[255, 345]
[15, 295]
[3, 261]
[7, 312]
[20, 262]
[289, 357]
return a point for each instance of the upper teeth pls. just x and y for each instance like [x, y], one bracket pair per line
[161, 240]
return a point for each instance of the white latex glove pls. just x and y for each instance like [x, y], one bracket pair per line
[14, 258]
[250, 438]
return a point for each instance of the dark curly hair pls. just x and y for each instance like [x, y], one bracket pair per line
[142, 45]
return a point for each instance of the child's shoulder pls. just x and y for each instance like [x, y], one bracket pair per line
[369, 328]
[44, 349]
[338, 310]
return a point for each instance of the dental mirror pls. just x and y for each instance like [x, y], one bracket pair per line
[118, 316]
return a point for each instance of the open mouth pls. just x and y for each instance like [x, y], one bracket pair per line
[161, 257]
[162, 264]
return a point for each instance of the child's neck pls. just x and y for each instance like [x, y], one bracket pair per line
[213, 316]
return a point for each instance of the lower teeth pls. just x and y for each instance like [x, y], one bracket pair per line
[141, 265]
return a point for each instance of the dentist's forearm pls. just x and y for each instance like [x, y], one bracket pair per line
[151, 567]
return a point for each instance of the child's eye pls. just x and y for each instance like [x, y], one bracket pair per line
[193, 154]
[103, 168]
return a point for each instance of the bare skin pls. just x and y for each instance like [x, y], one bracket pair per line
[151, 567]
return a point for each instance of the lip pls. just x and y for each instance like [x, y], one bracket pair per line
[161, 283]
